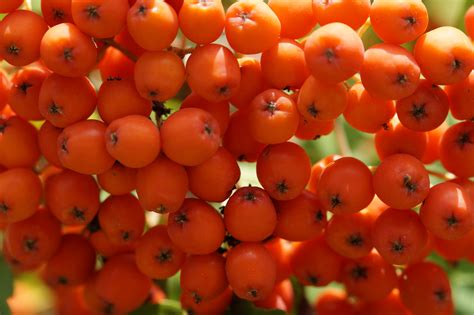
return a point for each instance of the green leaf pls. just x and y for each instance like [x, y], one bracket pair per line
[240, 306]
[4, 309]
[6, 285]
[173, 289]
[166, 307]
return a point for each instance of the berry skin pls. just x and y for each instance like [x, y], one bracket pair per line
[425, 289]
[401, 181]
[251, 271]
[354, 195]
[20, 36]
[250, 215]
[447, 211]
[446, 63]
[389, 72]
[196, 228]
[251, 26]
[334, 53]
[59, 50]
[283, 170]
[398, 22]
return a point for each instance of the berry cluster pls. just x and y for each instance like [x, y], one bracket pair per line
[104, 200]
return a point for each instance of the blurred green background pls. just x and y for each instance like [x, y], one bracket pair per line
[40, 299]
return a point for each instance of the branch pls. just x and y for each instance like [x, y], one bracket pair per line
[443, 176]
[181, 52]
[123, 50]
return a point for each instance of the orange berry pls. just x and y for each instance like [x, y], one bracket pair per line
[389, 72]
[20, 194]
[213, 72]
[194, 17]
[399, 21]
[67, 51]
[190, 136]
[351, 12]
[251, 26]
[20, 36]
[159, 75]
[100, 18]
[445, 55]
[334, 53]
[153, 24]
[296, 17]
[162, 185]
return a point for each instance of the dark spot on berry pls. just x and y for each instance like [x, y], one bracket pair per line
[94, 225]
[112, 78]
[92, 12]
[67, 54]
[249, 196]
[319, 216]
[457, 64]
[330, 55]
[181, 218]
[58, 15]
[207, 129]
[3, 207]
[24, 86]
[411, 20]
[161, 209]
[312, 279]
[452, 220]
[109, 309]
[62, 280]
[408, 184]
[196, 298]
[312, 110]
[64, 146]
[3, 126]
[54, 109]
[78, 214]
[440, 295]
[271, 107]
[142, 10]
[164, 256]
[402, 79]
[463, 139]
[114, 138]
[419, 111]
[253, 293]
[335, 201]
[355, 240]
[398, 246]
[244, 16]
[282, 187]
[359, 272]
[30, 245]
[13, 50]
[223, 90]
[126, 235]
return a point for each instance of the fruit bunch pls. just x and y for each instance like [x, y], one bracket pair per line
[122, 142]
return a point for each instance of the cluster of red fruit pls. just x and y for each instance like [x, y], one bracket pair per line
[369, 228]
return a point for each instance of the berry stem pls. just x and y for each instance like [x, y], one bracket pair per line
[341, 138]
[181, 52]
[361, 31]
[123, 50]
[444, 176]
